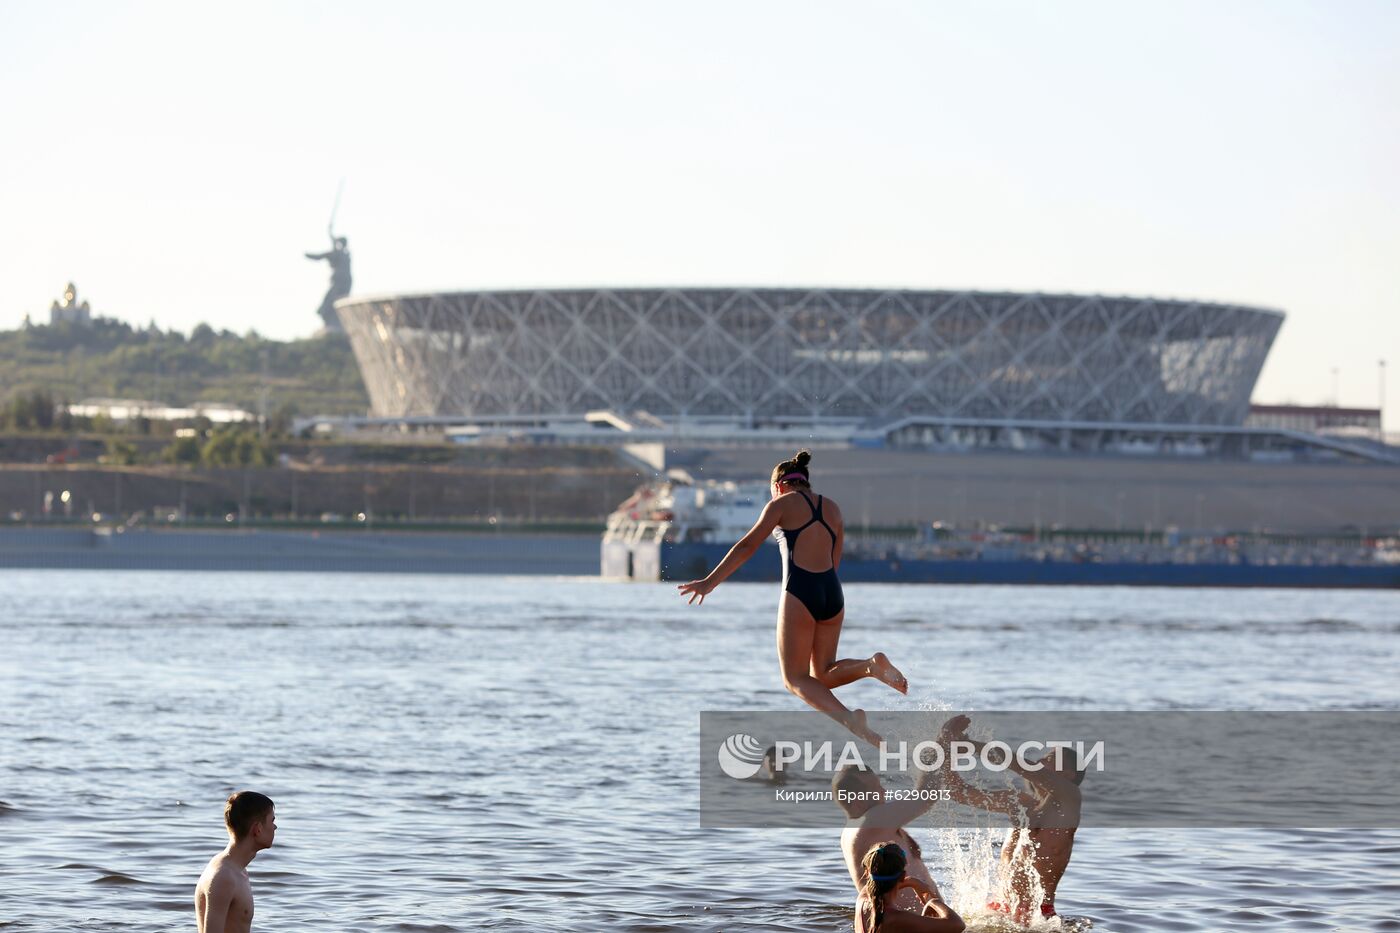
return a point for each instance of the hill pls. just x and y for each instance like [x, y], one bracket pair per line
[110, 358]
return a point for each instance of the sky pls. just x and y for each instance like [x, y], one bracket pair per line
[175, 160]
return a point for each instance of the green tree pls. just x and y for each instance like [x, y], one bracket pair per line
[279, 423]
[232, 446]
[44, 410]
[221, 449]
[182, 451]
[251, 451]
[31, 410]
[122, 453]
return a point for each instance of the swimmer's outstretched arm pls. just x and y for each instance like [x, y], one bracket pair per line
[1048, 781]
[1009, 802]
[896, 814]
[746, 547]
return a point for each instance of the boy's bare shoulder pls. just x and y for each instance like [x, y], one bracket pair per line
[220, 871]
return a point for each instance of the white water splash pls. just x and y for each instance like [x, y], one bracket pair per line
[971, 857]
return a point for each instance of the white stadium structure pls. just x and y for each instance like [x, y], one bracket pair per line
[871, 367]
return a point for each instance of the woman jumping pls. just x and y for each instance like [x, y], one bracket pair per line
[812, 607]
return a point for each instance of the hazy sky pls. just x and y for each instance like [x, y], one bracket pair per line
[175, 160]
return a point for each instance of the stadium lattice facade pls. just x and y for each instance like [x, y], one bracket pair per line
[866, 355]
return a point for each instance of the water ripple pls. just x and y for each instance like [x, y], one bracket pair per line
[452, 754]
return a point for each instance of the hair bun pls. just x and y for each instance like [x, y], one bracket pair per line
[803, 458]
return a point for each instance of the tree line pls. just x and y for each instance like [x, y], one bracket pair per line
[109, 358]
[223, 447]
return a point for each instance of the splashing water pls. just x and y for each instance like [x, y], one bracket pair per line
[971, 860]
[972, 865]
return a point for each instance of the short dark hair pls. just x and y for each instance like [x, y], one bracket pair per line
[243, 810]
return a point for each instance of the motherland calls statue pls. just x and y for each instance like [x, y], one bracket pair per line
[339, 258]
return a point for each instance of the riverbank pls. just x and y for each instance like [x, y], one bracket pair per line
[532, 485]
[345, 551]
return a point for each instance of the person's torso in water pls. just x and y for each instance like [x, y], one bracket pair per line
[861, 838]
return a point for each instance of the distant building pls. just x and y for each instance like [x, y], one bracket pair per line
[70, 311]
[127, 409]
[885, 359]
[899, 368]
[1323, 419]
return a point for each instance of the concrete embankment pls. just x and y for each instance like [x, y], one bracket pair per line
[886, 487]
[327, 551]
[527, 485]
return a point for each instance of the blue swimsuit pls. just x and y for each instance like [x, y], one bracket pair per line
[819, 591]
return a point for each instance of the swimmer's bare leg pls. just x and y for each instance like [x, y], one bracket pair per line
[849, 670]
[795, 635]
[834, 673]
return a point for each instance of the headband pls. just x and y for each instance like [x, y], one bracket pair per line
[792, 476]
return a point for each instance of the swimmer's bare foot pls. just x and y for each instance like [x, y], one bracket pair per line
[861, 729]
[881, 669]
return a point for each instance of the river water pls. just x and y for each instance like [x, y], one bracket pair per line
[455, 753]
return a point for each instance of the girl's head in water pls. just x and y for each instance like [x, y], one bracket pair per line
[792, 474]
[883, 868]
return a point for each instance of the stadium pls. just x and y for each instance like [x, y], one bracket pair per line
[818, 353]
[993, 407]
[896, 365]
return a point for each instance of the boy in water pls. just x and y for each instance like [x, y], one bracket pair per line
[1038, 846]
[223, 899]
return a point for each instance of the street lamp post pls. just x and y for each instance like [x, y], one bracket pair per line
[1380, 403]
